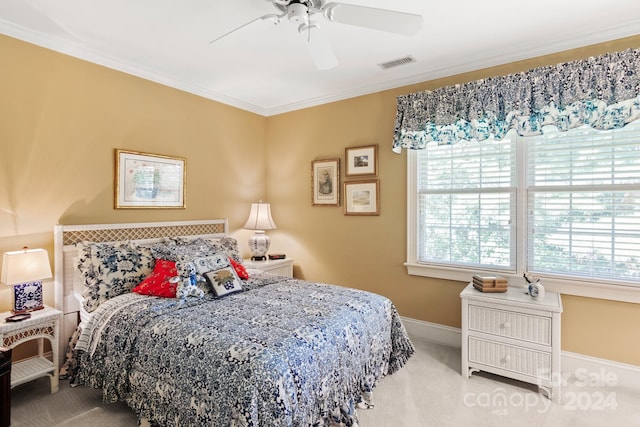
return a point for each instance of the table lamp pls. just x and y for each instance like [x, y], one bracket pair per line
[24, 270]
[259, 220]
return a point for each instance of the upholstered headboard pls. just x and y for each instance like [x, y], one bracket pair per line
[66, 237]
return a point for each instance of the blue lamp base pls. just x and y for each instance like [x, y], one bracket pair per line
[27, 297]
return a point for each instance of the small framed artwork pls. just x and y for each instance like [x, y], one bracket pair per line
[362, 197]
[146, 180]
[361, 161]
[325, 182]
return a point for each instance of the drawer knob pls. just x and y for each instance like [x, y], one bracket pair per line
[506, 325]
[506, 358]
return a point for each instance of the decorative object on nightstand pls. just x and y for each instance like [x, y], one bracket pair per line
[259, 220]
[43, 324]
[513, 335]
[25, 270]
[490, 283]
[533, 287]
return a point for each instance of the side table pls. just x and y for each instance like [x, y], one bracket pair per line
[281, 267]
[43, 324]
[5, 387]
[513, 335]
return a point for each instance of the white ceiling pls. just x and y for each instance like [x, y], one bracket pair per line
[266, 68]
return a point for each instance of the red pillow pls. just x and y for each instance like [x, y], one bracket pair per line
[158, 282]
[240, 270]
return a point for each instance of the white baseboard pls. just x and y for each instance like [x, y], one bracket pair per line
[434, 332]
[577, 366]
[588, 368]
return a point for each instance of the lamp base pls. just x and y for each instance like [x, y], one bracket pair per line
[259, 245]
[27, 297]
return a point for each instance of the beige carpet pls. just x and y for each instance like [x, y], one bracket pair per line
[428, 391]
[33, 406]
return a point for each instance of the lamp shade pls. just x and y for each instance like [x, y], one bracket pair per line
[260, 217]
[24, 266]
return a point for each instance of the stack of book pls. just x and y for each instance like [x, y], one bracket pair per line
[490, 283]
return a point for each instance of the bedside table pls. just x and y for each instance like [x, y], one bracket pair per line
[513, 335]
[42, 324]
[281, 267]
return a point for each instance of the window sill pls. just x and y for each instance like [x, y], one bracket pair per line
[562, 286]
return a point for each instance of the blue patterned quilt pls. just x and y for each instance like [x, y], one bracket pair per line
[284, 352]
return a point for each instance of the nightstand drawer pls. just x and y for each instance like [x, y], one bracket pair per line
[510, 324]
[280, 267]
[524, 361]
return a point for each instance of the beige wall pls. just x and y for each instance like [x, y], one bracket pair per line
[62, 118]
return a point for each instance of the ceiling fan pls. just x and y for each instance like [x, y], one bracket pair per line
[301, 13]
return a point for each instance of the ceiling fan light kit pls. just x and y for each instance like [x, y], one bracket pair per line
[300, 12]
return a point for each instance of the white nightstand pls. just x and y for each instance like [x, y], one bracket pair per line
[281, 267]
[42, 324]
[513, 335]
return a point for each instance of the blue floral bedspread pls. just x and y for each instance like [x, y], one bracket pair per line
[284, 352]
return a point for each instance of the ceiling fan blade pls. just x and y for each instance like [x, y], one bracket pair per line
[319, 47]
[370, 17]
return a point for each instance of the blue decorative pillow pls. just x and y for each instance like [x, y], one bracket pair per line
[230, 246]
[197, 247]
[224, 281]
[172, 252]
[210, 263]
[111, 269]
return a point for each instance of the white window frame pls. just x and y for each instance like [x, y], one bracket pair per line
[578, 286]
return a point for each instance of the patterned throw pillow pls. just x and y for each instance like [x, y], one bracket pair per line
[241, 271]
[210, 263]
[172, 252]
[224, 281]
[162, 282]
[111, 269]
[230, 246]
[197, 247]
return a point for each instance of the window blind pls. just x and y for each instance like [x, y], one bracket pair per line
[466, 204]
[583, 192]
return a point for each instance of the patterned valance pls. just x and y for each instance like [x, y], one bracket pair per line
[603, 92]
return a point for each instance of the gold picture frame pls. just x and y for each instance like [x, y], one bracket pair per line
[361, 161]
[325, 182]
[362, 197]
[149, 181]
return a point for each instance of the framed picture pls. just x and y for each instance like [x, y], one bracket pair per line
[361, 160]
[325, 182]
[146, 180]
[362, 197]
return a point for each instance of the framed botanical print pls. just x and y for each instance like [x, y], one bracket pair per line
[325, 182]
[362, 197]
[361, 161]
[144, 180]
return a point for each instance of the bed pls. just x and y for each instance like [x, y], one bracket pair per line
[231, 346]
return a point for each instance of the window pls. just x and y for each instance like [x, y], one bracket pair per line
[563, 205]
[466, 204]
